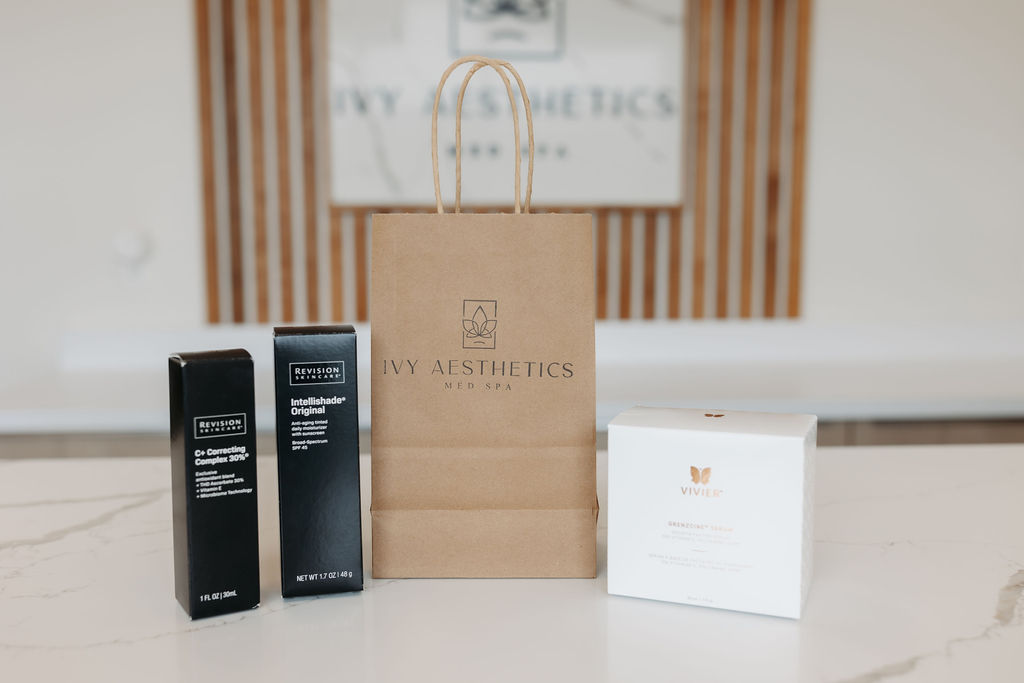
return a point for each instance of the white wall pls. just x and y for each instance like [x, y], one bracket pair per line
[915, 178]
[915, 204]
[99, 185]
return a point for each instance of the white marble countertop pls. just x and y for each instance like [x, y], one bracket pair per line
[919, 575]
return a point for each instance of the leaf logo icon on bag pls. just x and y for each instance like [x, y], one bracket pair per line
[479, 320]
[700, 476]
[479, 325]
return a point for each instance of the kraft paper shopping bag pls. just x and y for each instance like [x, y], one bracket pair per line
[482, 353]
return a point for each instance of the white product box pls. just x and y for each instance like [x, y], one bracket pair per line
[712, 508]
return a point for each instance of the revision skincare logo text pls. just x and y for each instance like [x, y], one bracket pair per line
[212, 426]
[320, 372]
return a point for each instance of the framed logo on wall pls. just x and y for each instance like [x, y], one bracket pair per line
[605, 80]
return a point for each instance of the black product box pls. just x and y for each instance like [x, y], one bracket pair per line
[213, 482]
[318, 459]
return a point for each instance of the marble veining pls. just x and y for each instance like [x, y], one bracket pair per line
[1007, 603]
[1009, 600]
[60, 533]
[919, 576]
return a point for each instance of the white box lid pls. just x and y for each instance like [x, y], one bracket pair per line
[722, 421]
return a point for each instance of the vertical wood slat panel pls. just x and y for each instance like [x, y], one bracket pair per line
[701, 183]
[337, 288]
[771, 147]
[601, 267]
[803, 30]
[308, 158]
[321, 132]
[724, 161]
[362, 271]
[259, 188]
[710, 227]
[284, 187]
[771, 244]
[234, 172]
[750, 156]
[650, 262]
[202, 10]
[675, 258]
[625, 263]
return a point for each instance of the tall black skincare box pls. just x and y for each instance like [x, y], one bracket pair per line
[318, 459]
[213, 482]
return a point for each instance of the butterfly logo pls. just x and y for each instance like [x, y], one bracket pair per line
[700, 476]
[714, 414]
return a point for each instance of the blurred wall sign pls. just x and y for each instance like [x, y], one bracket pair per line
[516, 29]
[605, 79]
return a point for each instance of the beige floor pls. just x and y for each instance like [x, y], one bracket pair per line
[829, 434]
